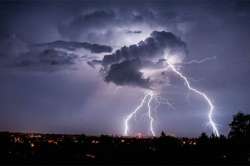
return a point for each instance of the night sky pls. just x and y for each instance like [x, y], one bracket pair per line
[83, 66]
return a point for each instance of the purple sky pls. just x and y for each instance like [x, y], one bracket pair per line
[68, 87]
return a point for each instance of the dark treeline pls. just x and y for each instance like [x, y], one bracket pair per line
[51, 148]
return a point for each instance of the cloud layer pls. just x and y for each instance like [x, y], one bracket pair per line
[118, 27]
[16, 53]
[72, 45]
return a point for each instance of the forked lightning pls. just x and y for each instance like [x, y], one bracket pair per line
[149, 96]
[202, 94]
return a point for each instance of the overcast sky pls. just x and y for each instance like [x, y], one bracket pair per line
[82, 66]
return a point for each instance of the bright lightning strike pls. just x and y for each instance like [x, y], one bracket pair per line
[149, 95]
[201, 61]
[211, 106]
[149, 114]
[162, 100]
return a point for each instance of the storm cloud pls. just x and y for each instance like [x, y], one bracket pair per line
[127, 73]
[123, 66]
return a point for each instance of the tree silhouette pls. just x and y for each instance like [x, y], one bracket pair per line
[203, 139]
[240, 127]
[163, 134]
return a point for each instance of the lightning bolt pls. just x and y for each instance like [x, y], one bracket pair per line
[201, 61]
[161, 100]
[149, 95]
[202, 94]
[149, 114]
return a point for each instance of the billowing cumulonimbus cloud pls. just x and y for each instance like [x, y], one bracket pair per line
[127, 73]
[124, 65]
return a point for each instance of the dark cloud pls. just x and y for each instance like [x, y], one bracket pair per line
[126, 73]
[71, 45]
[152, 47]
[122, 67]
[16, 52]
[48, 57]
